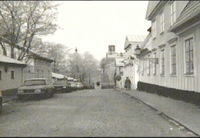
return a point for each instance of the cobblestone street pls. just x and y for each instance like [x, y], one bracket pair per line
[85, 113]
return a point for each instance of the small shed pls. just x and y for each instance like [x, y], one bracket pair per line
[11, 73]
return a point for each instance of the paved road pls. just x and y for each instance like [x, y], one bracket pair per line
[85, 113]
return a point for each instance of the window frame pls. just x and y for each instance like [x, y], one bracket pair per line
[162, 22]
[171, 59]
[185, 70]
[12, 75]
[154, 64]
[154, 28]
[148, 66]
[162, 62]
[0, 75]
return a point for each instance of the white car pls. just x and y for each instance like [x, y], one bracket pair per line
[36, 87]
[79, 85]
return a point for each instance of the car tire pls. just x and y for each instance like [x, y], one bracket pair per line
[49, 94]
[1, 104]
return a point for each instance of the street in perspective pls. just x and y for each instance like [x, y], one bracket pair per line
[99, 68]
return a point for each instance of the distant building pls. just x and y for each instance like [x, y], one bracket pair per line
[130, 68]
[38, 67]
[119, 72]
[11, 73]
[108, 73]
[111, 52]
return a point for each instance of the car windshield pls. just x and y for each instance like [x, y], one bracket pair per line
[34, 82]
[60, 82]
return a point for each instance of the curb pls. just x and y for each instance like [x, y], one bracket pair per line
[162, 114]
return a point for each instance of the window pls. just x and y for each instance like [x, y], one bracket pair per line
[162, 71]
[154, 29]
[173, 12]
[12, 75]
[0, 75]
[154, 64]
[173, 59]
[162, 24]
[148, 65]
[189, 65]
[142, 68]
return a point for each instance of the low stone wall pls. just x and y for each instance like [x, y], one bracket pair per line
[187, 96]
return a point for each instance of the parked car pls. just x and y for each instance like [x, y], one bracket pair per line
[36, 87]
[79, 85]
[72, 84]
[61, 85]
[1, 101]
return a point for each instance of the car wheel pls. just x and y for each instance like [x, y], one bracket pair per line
[49, 94]
[1, 104]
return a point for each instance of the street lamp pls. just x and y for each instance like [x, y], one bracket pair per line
[137, 50]
[138, 53]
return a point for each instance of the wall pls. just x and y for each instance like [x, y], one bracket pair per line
[6, 82]
[38, 68]
[129, 70]
[180, 80]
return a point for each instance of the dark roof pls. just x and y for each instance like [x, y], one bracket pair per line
[190, 13]
[151, 6]
[36, 55]
[8, 60]
[134, 38]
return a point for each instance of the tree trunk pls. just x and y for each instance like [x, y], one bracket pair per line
[12, 52]
[4, 49]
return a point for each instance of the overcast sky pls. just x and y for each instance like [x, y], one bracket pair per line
[93, 25]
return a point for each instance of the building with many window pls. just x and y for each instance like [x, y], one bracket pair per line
[170, 63]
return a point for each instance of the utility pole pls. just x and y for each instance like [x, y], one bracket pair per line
[77, 68]
[89, 78]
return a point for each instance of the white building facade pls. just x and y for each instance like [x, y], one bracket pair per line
[130, 69]
[174, 40]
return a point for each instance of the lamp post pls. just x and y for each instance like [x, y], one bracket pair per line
[138, 52]
[77, 68]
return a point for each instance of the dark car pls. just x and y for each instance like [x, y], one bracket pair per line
[61, 85]
[1, 101]
[36, 87]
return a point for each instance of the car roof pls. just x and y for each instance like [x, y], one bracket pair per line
[36, 79]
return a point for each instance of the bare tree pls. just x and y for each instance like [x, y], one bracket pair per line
[55, 51]
[21, 21]
[83, 67]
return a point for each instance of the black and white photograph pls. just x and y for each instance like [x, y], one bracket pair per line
[87, 68]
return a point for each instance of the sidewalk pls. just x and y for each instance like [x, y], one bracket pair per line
[185, 113]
